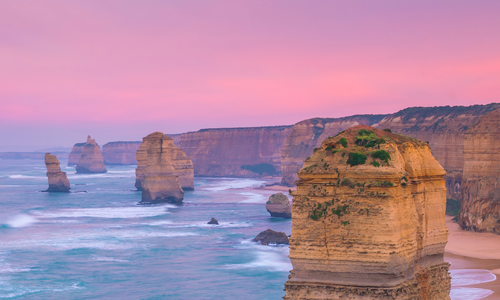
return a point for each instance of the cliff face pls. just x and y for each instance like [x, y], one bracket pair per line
[91, 158]
[308, 134]
[120, 153]
[368, 220]
[236, 152]
[74, 155]
[444, 128]
[480, 206]
[159, 178]
[58, 181]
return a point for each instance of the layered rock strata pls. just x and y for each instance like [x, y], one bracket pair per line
[444, 128]
[308, 134]
[181, 163]
[74, 155]
[156, 167]
[368, 220]
[480, 206]
[58, 181]
[279, 206]
[91, 160]
[236, 152]
[120, 153]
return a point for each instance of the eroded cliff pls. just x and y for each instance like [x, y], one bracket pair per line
[58, 181]
[308, 134]
[91, 160]
[236, 152]
[368, 220]
[157, 175]
[480, 206]
[120, 153]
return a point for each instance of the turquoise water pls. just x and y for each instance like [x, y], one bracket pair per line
[101, 244]
[97, 243]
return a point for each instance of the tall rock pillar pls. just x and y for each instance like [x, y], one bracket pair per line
[58, 181]
[91, 158]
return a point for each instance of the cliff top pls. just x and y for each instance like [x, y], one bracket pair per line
[373, 119]
[157, 135]
[282, 127]
[420, 113]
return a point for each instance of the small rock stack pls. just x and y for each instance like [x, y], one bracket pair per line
[58, 181]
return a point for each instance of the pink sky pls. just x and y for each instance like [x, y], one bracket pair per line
[119, 70]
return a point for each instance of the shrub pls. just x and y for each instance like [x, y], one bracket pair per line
[260, 169]
[452, 207]
[356, 159]
[375, 164]
[346, 182]
[344, 142]
[387, 130]
[329, 148]
[382, 155]
[365, 132]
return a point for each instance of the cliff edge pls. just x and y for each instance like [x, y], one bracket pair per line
[369, 220]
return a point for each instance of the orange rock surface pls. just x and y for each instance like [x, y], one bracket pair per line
[480, 206]
[91, 158]
[369, 220]
[74, 155]
[120, 153]
[58, 181]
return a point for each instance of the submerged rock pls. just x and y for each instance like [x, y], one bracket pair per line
[91, 159]
[160, 181]
[181, 163]
[369, 220]
[58, 181]
[279, 206]
[271, 237]
[213, 222]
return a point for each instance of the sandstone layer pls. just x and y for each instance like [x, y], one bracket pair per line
[444, 128]
[156, 170]
[369, 220]
[74, 155]
[236, 152]
[58, 181]
[181, 163]
[120, 153]
[480, 206]
[279, 206]
[91, 158]
[308, 134]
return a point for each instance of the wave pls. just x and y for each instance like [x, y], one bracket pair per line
[463, 277]
[106, 212]
[466, 293]
[109, 174]
[253, 198]
[234, 184]
[270, 258]
[20, 220]
[19, 176]
[9, 185]
[171, 224]
[111, 259]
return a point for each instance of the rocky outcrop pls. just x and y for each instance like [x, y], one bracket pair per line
[480, 206]
[368, 220]
[91, 158]
[444, 128]
[236, 152]
[58, 181]
[308, 134]
[156, 170]
[213, 221]
[271, 237]
[181, 163]
[279, 206]
[74, 155]
[120, 153]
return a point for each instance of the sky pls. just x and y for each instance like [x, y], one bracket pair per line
[121, 69]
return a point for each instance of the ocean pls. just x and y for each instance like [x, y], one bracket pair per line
[98, 243]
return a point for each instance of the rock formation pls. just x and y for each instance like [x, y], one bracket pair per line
[91, 158]
[443, 127]
[279, 206]
[213, 221]
[120, 153]
[308, 134]
[271, 237]
[236, 152]
[58, 181]
[368, 220]
[480, 206]
[160, 181]
[181, 163]
[74, 155]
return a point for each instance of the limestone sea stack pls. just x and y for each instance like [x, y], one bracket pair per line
[279, 206]
[91, 158]
[58, 181]
[480, 205]
[74, 155]
[369, 220]
[181, 163]
[160, 180]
